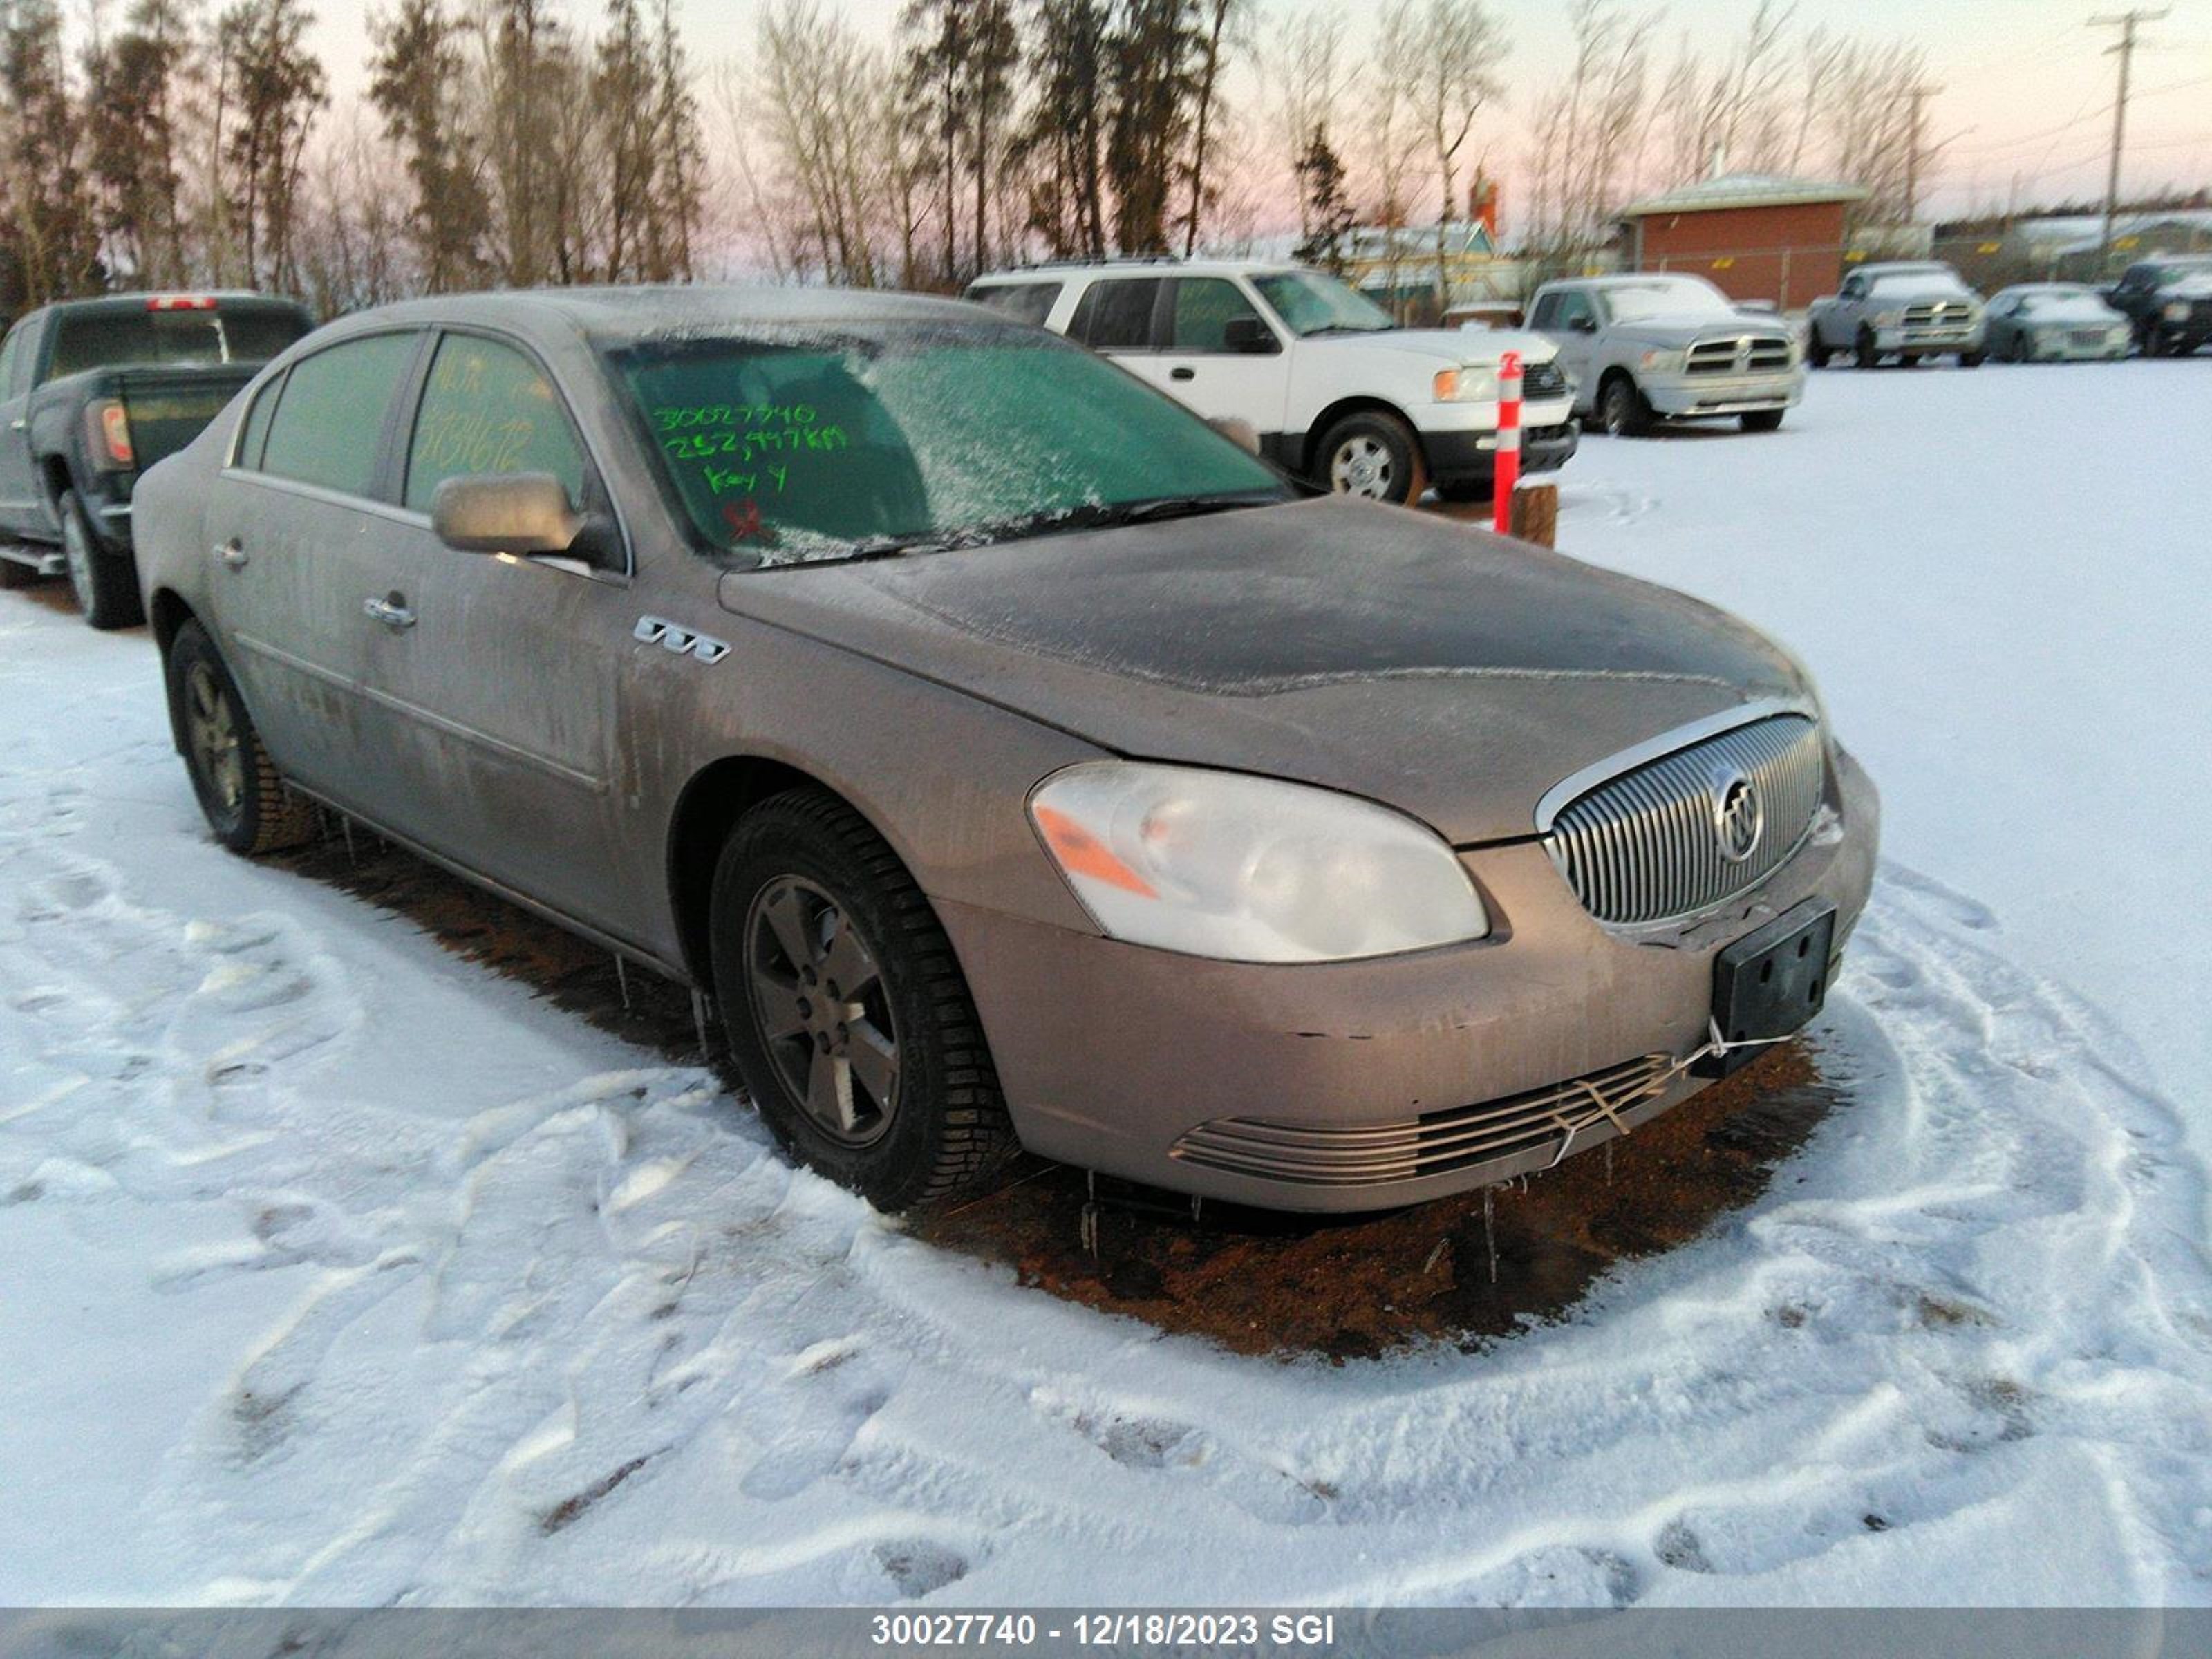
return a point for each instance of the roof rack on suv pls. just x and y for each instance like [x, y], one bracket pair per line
[1089, 260]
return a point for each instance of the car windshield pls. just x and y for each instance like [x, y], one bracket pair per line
[1310, 303]
[1933, 280]
[1679, 296]
[2062, 302]
[782, 447]
[116, 336]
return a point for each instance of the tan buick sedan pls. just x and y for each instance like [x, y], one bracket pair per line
[1010, 757]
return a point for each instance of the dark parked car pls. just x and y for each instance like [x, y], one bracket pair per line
[2169, 300]
[1009, 756]
[94, 392]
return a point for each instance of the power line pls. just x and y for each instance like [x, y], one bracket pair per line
[2127, 23]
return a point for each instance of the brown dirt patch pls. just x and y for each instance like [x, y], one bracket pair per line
[1253, 1281]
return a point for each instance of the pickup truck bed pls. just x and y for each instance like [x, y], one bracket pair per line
[94, 392]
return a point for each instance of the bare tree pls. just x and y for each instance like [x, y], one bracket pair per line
[1304, 75]
[1462, 49]
[1587, 131]
[1735, 114]
[1219, 18]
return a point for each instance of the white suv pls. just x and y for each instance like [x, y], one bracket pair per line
[1337, 392]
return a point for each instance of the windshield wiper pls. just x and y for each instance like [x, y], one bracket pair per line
[1190, 507]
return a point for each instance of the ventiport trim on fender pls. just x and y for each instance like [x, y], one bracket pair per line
[674, 636]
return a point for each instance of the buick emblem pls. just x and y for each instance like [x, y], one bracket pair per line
[1738, 816]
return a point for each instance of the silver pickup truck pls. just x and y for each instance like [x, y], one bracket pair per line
[1907, 309]
[1662, 346]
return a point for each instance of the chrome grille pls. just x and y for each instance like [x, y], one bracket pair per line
[1539, 380]
[1750, 354]
[1437, 1143]
[1646, 845]
[1939, 313]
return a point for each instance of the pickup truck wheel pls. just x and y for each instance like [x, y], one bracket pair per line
[1972, 359]
[846, 1013]
[1621, 409]
[1762, 420]
[240, 789]
[107, 583]
[1867, 355]
[1820, 355]
[2020, 352]
[1373, 455]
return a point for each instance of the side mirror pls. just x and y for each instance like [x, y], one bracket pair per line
[519, 513]
[1249, 335]
[1584, 325]
[1239, 431]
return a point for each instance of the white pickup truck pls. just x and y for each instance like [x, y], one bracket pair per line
[1905, 309]
[1337, 392]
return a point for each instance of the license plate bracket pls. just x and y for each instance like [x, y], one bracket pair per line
[1770, 982]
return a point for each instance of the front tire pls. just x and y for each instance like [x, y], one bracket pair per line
[241, 791]
[2020, 354]
[1621, 409]
[107, 583]
[847, 1017]
[1374, 456]
[1867, 354]
[1972, 359]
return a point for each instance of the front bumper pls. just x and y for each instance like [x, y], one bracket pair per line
[1682, 396]
[1545, 448]
[1130, 1062]
[2063, 346]
[1933, 340]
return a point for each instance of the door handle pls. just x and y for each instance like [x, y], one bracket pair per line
[232, 554]
[1183, 375]
[17, 426]
[392, 612]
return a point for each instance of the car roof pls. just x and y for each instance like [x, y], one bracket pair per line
[1065, 269]
[1631, 279]
[621, 314]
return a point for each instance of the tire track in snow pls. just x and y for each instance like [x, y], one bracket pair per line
[597, 1341]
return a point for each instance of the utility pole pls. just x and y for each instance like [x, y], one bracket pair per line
[2126, 23]
[1916, 94]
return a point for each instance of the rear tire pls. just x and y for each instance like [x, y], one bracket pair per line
[881, 1082]
[107, 583]
[1762, 420]
[13, 575]
[241, 790]
[1867, 354]
[1374, 456]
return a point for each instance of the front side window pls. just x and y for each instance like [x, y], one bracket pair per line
[1310, 303]
[786, 448]
[330, 417]
[488, 407]
[1025, 302]
[1574, 307]
[1204, 306]
[1117, 315]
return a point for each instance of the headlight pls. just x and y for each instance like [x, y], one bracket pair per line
[2177, 311]
[1659, 362]
[1471, 384]
[1245, 869]
[1888, 318]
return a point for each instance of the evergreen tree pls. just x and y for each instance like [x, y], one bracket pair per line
[1328, 212]
[49, 206]
[415, 85]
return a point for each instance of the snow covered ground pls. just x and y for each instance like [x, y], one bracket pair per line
[334, 1269]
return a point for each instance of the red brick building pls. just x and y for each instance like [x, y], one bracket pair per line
[1754, 235]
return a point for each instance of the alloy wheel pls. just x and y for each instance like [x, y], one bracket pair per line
[1362, 466]
[822, 1009]
[211, 730]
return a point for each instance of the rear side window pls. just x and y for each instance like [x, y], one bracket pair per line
[1117, 315]
[123, 335]
[489, 408]
[254, 432]
[11, 355]
[1024, 302]
[330, 416]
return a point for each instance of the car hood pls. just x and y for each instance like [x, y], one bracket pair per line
[1450, 673]
[1451, 345]
[2082, 310]
[1687, 331]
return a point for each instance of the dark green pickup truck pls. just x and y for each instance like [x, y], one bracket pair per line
[94, 392]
